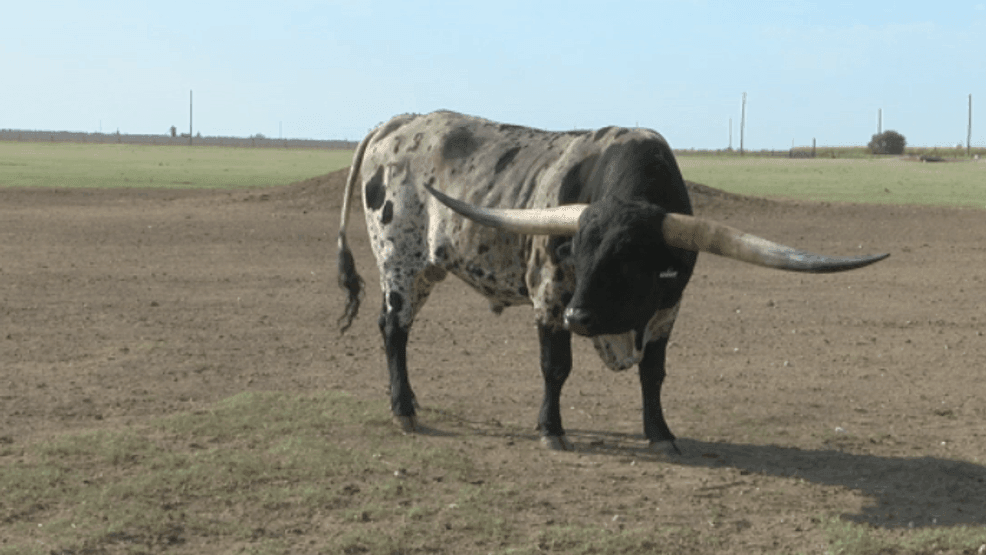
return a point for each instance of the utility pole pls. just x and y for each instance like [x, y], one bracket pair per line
[879, 121]
[968, 135]
[189, 117]
[742, 123]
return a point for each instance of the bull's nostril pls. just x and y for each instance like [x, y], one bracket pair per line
[577, 320]
[573, 314]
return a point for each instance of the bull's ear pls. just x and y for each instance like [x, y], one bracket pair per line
[564, 250]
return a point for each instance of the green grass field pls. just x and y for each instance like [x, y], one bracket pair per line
[99, 165]
[865, 179]
[882, 180]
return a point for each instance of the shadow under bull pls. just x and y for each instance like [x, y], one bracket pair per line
[905, 492]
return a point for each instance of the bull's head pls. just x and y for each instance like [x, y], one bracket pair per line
[624, 250]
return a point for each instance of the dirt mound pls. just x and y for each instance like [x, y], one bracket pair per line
[325, 191]
[707, 200]
[319, 192]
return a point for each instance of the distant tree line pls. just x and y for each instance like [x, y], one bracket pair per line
[257, 141]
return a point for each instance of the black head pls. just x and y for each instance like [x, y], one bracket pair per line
[624, 271]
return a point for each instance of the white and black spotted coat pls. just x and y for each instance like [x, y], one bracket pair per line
[417, 240]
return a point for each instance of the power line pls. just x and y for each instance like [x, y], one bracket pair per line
[742, 123]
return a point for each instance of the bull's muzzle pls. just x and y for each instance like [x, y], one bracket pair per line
[578, 320]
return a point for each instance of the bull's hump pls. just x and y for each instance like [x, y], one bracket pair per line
[492, 164]
[460, 143]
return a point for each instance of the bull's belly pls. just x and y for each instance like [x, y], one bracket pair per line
[501, 289]
[488, 260]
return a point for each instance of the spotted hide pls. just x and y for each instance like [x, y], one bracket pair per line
[613, 271]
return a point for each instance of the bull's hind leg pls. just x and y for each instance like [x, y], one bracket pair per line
[556, 364]
[396, 223]
[404, 293]
[652, 375]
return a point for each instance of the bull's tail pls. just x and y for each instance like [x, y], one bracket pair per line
[349, 280]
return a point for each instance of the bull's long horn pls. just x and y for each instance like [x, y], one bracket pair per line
[560, 220]
[700, 234]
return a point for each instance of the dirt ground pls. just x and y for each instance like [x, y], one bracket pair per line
[858, 394]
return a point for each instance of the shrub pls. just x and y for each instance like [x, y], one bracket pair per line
[888, 142]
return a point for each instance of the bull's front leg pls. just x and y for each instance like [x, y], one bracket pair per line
[652, 375]
[556, 365]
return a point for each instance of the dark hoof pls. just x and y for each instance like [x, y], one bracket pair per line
[407, 424]
[557, 443]
[666, 450]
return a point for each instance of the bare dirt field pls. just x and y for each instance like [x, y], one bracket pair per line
[796, 398]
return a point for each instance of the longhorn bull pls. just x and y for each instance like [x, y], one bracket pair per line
[594, 229]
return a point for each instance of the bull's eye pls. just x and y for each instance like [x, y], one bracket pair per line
[563, 250]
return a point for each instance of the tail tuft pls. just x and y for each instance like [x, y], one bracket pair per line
[351, 282]
[348, 278]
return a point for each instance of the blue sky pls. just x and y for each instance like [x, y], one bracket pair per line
[333, 70]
